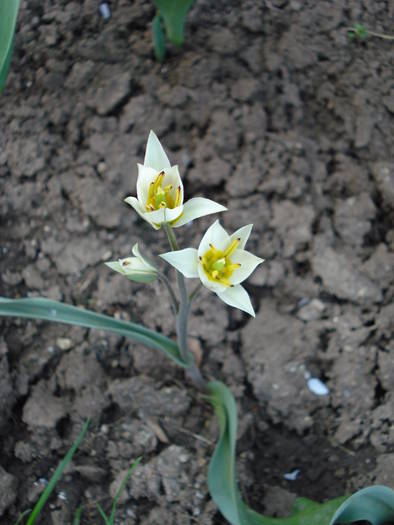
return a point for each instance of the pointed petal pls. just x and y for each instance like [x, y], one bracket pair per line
[163, 215]
[198, 207]
[114, 265]
[238, 297]
[185, 261]
[137, 253]
[155, 156]
[215, 235]
[145, 177]
[248, 263]
[243, 234]
[211, 285]
[138, 208]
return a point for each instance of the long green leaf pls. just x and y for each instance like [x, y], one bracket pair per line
[8, 15]
[159, 40]
[222, 475]
[45, 309]
[373, 504]
[174, 13]
[55, 478]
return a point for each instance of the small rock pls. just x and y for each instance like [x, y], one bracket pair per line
[317, 387]
[311, 311]
[383, 173]
[341, 278]
[8, 490]
[64, 343]
[43, 409]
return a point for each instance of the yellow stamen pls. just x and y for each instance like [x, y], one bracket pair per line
[217, 264]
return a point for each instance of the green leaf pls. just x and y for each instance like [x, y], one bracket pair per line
[8, 15]
[77, 516]
[45, 309]
[55, 478]
[159, 40]
[373, 504]
[222, 475]
[174, 13]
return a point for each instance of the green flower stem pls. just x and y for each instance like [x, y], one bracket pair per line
[182, 318]
[167, 284]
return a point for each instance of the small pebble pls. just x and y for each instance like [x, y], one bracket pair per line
[105, 11]
[317, 387]
[293, 475]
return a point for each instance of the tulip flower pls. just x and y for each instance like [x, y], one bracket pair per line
[221, 263]
[135, 268]
[160, 191]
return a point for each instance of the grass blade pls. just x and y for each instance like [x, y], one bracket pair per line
[174, 14]
[122, 486]
[55, 311]
[55, 478]
[77, 516]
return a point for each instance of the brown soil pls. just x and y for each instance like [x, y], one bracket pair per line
[270, 109]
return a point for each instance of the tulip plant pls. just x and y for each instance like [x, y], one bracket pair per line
[220, 263]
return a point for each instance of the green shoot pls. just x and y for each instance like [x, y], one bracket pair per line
[111, 519]
[358, 31]
[55, 478]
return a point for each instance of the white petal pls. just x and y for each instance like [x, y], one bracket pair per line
[211, 285]
[185, 261]
[155, 156]
[215, 235]
[173, 178]
[163, 215]
[243, 234]
[137, 253]
[115, 265]
[141, 212]
[145, 177]
[248, 263]
[198, 207]
[134, 203]
[238, 297]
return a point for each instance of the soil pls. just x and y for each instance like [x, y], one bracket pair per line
[270, 109]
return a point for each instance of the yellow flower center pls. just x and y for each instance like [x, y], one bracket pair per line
[159, 197]
[217, 264]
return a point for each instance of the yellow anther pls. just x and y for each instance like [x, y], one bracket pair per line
[215, 274]
[178, 197]
[232, 247]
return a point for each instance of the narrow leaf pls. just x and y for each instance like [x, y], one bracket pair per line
[55, 311]
[77, 516]
[159, 40]
[55, 478]
[373, 504]
[122, 486]
[174, 13]
[8, 15]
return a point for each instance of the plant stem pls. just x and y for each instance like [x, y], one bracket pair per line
[167, 284]
[192, 370]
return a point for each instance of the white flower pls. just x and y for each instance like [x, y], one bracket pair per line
[221, 263]
[135, 268]
[160, 191]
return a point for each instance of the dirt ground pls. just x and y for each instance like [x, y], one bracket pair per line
[271, 110]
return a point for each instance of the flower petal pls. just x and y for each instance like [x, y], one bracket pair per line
[141, 212]
[163, 215]
[248, 263]
[185, 261]
[137, 253]
[198, 207]
[215, 235]
[155, 156]
[238, 297]
[115, 265]
[211, 285]
[145, 177]
[243, 234]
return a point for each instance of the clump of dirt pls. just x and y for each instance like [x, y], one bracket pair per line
[269, 109]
